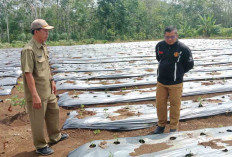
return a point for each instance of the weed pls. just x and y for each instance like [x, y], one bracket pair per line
[97, 132]
[20, 86]
[224, 79]
[92, 145]
[15, 101]
[82, 110]
[199, 99]
[81, 114]
[111, 155]
[127, 106]
[105, 109]
[189, 154]
[220, 125]
[75, 94]
[116, 140]
[123, 88]
[82, 107]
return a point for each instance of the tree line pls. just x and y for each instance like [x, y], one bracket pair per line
[111, 20]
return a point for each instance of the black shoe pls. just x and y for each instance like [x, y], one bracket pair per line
[63, 137]
[45, 151]
[159, 130]
[172, 130]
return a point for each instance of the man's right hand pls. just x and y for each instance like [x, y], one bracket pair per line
[36, 102]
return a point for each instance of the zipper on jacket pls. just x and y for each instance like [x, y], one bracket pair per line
[175, 71]
[158, 69]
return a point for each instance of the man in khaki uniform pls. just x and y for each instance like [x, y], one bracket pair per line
[40, 89]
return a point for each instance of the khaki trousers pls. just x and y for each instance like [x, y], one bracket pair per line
[173, 93]
[48, 113]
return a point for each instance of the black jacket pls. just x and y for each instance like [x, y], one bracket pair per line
[174, 60]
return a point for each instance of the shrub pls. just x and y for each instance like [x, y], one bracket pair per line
[17, 44]
[110, 34]
[63, 36]
[89, 41]
[22, 37]
[74, 36]
[140, 36]
[226, 32]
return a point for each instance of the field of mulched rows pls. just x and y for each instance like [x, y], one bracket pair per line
[89, 75]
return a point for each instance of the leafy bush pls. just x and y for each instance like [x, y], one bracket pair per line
[226, 32]
[140, 36]
[104, 41]
[55, 37]
[124, 37]
[74, 36]
[110, 34]
[16, 101]
[28, 36]
[186, 33]
[63, 36]
[17, 44]
[216, 30]
[89, 41]
[22, 37]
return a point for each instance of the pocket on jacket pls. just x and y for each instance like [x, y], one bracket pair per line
[40, 65]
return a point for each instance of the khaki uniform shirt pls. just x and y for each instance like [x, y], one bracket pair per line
[34, 59]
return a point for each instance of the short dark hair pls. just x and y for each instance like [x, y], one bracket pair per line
[170, 29]
[33, 31]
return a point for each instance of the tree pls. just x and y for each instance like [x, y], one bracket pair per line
[6, 6]
[114, 19]
[207, 25]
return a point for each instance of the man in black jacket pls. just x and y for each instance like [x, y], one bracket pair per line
[175, 59]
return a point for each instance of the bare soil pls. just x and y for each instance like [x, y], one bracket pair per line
[124, 113]
[149, 148]
[71, 82]
[83, 114]
[212, 144]
[16, 138]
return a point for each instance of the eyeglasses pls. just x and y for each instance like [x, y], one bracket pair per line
[170, 37]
